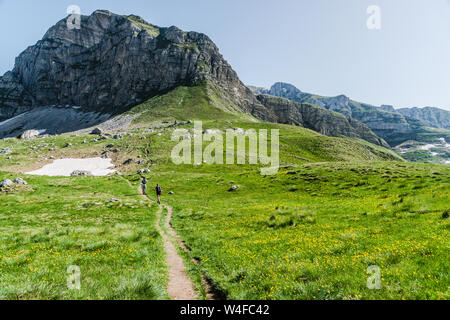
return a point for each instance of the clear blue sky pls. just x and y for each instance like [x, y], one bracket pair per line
[321, 46]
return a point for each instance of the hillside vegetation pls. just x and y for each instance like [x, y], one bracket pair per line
[336, 207]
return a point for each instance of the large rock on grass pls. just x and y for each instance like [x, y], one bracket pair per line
[6, 183]
[20, 181]
[81, 173]
[29, 134]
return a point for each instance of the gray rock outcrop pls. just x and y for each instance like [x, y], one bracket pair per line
[112, 63]
[81, 173]
[5, 183]
[29, 134]
[20, 181]
[394, 126]
[433, 117]
[318, 119]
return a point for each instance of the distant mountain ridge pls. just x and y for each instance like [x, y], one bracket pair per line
[395, 126]
[326, 122]
[433, 117]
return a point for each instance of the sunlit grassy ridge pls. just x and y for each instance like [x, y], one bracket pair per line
[202, 102]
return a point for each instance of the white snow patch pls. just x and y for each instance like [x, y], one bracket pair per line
[64, 167]
[427, 147]
[443, 144]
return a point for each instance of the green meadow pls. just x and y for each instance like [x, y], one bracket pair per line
[311, 231]
[336, 207]
[54, 223]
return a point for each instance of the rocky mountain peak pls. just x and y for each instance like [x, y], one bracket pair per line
[388, 108]
[285, 90]
[113, 62]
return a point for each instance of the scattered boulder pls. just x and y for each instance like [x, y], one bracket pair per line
[142, 171]
[129, 161]
[5, 151]
[68, 145]
[118, 136]
[106, 154]
[6, 183]
[114, 200]
[212, 131]
[81, 173]
[20, 181]
[29, 134]
[446, 214]
[234, 188]
[97, 131]
[171, 192]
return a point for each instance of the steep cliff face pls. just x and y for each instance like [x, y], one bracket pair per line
[315, 118]
[433, 117]
[394, 126]
[112, 63]
[14, 99]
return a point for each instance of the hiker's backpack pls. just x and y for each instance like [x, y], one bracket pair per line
[158, 189]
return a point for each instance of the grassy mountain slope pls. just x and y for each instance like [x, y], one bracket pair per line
[312, 231]
[336, 206]
[201, 102]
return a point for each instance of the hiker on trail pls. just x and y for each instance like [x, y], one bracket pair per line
[158, 193]
[144, 186]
